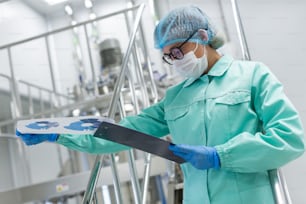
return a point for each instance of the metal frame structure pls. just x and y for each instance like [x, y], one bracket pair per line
[88, 197]
[114, 99]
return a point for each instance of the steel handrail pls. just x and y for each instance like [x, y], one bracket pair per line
[241, 35]
[29, 86]
[155, 99]
[58, 109]
[67, 28]
[277, 180]
[148, 156]
[44, 89]
[70, 106]
[131, 157]
[112, 110]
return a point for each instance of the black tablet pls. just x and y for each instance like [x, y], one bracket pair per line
[136, 139]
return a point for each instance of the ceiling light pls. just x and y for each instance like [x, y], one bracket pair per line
[88, 3]
[73, 22]
[68, 10]
[53, 2]
[92, 16]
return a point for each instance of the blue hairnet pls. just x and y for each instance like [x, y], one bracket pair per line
[180, 23]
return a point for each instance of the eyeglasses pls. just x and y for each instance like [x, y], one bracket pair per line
[176, 52]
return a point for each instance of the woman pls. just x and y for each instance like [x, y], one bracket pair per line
[230, 119]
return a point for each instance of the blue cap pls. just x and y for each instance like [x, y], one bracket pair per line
[182, 22]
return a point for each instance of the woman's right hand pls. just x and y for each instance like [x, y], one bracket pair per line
[33, 139]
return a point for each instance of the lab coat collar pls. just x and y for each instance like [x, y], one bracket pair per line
[218, 69]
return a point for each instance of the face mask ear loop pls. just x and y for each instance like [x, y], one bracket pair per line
[195, 49]
[204, 51]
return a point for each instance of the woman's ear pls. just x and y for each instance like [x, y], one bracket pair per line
[203, 35]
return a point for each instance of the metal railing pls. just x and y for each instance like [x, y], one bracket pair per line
[277, 180]
[115, 97]
[117, 102]
[41, 100]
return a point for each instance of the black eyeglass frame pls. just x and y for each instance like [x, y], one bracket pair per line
[171, 55]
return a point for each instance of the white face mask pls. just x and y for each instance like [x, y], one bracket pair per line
[191, 66]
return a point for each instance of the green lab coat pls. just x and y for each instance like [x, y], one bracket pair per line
[240, 108]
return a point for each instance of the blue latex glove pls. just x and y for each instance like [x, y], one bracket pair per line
[201, 157]
[32, 139]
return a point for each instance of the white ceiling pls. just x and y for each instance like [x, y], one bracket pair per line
[45, 9]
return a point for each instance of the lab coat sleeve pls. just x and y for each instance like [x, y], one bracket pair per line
[150, 121]
[282, 138]
[90, 144]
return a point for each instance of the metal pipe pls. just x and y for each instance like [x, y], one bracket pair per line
[137, 62]
[15, 91]
[26, 162]
[155, 96]
[59, 156]
[140, 76]
[116, 181]
[67, 28]
[92, 101]
[51, 101]
[155, 99]
[131, 157]
[131, 161]
[42, 88]
[134, 179]
[114, 102]
[5, 76]
[91, 185]
[277, 181]
[41, 102]
[146, 177]
[13, 165]
[285, 187]
[125, 62]
[91, 62]
[281, 193]
[277, 187]
[131, 83]
[31, 107]
[240, 30]
[148, 61]
[133, 92]
[115, 98]
[50, 65]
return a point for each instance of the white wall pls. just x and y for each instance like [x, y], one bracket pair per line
[18, 22]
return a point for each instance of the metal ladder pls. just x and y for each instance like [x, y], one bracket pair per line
[277, 180]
